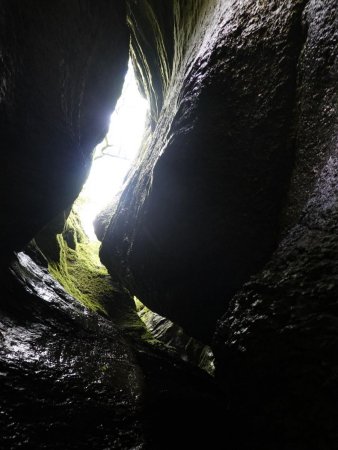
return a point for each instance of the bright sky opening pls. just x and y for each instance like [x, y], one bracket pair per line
[114, 155]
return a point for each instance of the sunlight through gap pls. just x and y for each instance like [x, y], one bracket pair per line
[113, 157]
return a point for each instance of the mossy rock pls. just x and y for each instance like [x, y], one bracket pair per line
[73, 260]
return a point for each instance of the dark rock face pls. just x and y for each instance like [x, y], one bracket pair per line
[58, 363]
[316, 113]
[70, 379]
[277, 347]
[201, 213]
[238, 176]
[62, 71]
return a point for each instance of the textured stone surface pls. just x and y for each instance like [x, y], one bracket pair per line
[240, 167]
[315, 121]
[65, 372]
[70, 379]
[62, 68]
[176, 340]
[277, 346]
[201, 212]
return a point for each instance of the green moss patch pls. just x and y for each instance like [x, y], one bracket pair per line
[79, 270]
[81, 274]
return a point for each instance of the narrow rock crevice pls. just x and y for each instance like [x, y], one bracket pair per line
[208, 319]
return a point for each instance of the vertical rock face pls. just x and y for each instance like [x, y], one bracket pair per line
[201, 212]
[316, 113]
[62, 70]
[276, 346]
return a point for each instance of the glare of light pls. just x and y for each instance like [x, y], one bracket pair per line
[114, 156]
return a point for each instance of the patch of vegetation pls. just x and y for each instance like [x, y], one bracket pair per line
[79, 270]
[80, 274]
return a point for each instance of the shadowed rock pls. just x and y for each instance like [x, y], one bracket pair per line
[69, 378]
[63, 65]
[277, 346]
[201, 211]
[237, 178]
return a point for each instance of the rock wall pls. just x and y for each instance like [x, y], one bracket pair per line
[276, 347]
[316, 113]
[246, 88]
[63, 65]
[237, 178]
[70, 378]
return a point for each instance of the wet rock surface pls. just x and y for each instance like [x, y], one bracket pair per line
[201, 213]
[70, 379]
[315, 121]
[176, 340]
[276, 347]
[62, 69]
[237, 178]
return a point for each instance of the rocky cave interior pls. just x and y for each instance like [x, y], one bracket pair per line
[207, 314]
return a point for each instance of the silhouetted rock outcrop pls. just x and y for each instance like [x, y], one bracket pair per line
[63, 65]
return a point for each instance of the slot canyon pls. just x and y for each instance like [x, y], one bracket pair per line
[205, 316]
